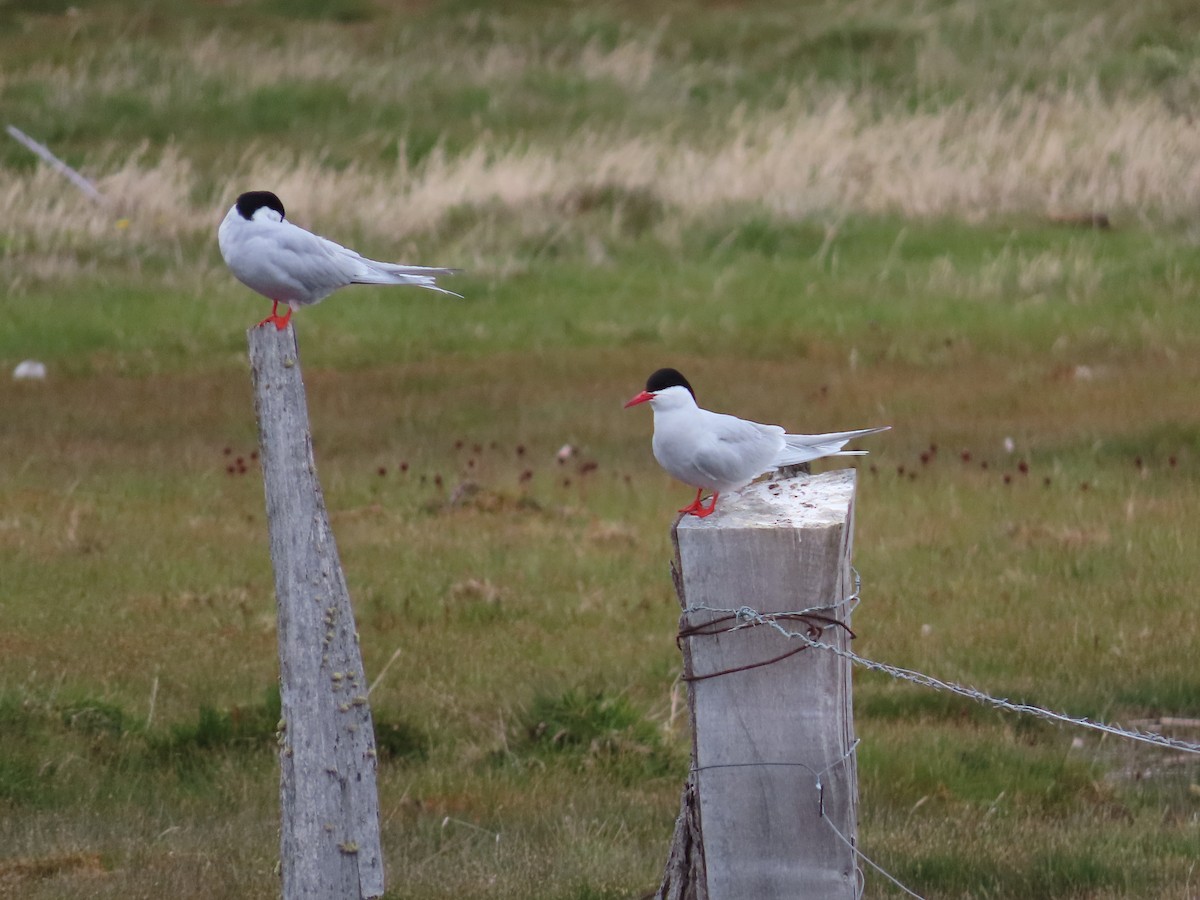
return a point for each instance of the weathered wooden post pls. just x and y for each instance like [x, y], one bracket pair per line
[330, 846]
[771, 716]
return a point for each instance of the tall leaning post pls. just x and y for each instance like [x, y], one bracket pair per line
[330, 843]
[768, 724]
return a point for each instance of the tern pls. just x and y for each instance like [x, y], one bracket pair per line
[287, 264]
[722, 453]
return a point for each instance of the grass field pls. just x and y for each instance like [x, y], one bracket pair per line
[829, 215]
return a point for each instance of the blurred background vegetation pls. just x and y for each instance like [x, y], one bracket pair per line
[975, 222]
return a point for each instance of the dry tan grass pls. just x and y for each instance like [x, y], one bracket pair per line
[1017, 155]
[1012, 276]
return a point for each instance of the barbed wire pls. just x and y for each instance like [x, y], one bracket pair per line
[816, 620]
[748, 616]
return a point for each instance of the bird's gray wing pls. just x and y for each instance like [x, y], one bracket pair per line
[737, 451]
[312, 266]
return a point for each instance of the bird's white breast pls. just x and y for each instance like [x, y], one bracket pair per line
[280, 260]
[713, 451]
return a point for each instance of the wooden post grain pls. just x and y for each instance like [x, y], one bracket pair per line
[330, 845]
[752, 822]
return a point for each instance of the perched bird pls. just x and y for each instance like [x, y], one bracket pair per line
[720, 453]
[287, 264]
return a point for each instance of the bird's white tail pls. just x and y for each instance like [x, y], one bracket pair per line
[802, 448]
[375, 272]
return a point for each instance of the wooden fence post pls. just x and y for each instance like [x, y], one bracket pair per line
[330, 846]
[767, 726]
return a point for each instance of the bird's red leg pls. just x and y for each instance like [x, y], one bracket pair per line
[272, 316]
[698, 509]
[695, 504]
[701, 512]
[280, 322]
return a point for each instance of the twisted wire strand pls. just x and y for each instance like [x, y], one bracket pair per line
[862, 880]
[861, 886]
[747, 616]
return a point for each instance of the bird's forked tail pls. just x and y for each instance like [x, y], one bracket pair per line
[802, 448]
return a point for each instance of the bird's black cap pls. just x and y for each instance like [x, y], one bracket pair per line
[252, 201]
[665, 378]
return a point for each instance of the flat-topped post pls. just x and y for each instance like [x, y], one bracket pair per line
[771, 716]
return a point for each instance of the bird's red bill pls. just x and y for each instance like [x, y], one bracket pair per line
[639, 398]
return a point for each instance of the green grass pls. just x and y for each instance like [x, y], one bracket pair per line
[616, 181]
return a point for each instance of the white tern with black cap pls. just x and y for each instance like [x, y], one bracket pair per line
[721, 453]
[289, 265]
